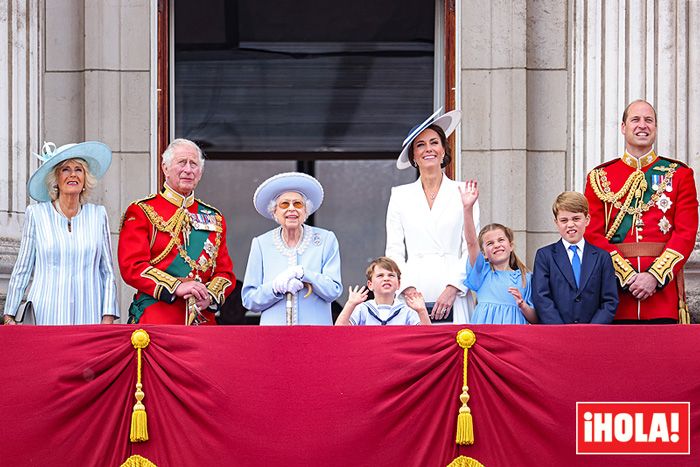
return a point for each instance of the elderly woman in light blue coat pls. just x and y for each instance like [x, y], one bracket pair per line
[293, 271]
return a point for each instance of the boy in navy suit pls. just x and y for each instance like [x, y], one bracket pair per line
[573, 281]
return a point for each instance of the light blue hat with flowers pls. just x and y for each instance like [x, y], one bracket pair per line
[97, 155]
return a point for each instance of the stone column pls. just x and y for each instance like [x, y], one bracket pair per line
[76, 70]
[514, 98]
[494, 101]
[20, 88]
[623, 51]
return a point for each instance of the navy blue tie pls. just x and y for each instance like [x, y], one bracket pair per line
[576, 264]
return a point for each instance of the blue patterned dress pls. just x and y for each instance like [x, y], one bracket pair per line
[73, 277]
[495, 305]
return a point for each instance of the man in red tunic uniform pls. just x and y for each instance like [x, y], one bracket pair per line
[644, 211]
[172, 247]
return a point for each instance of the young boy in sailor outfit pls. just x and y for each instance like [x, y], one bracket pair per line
[383, 278]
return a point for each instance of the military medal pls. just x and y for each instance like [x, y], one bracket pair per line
[664, 225]
[664, 203]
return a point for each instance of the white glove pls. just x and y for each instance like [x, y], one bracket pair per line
[279, 283]
[298, 271]
[294, 285]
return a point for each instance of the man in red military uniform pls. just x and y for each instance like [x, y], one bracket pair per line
[644, 211]
[172, 247]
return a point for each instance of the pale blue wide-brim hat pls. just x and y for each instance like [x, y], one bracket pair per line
[298, 182]
[448, 122]
[97, 155]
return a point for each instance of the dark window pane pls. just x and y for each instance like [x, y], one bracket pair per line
[303, 76]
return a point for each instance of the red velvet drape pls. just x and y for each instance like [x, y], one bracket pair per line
[317, 396]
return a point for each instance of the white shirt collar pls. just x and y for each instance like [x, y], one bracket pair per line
[580, 246]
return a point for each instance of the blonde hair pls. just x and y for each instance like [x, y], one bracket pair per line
[52, 180]
[571, 201]
[383, 262]
[513, 262]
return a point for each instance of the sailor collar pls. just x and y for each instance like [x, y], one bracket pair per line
[640, 163]
[176, 198]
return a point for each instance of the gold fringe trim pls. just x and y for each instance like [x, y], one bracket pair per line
[139, 422]
[137, 461]
[464, 461]
[465, 424]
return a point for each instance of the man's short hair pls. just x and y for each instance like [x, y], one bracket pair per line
[571, 201]
[383, 262]
[624, 114]
[170, 151]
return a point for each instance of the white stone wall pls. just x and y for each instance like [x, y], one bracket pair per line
[80, 70]
[514, 98]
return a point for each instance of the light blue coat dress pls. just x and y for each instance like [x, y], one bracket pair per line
[317, 253]
[495, 305]
[73, 276]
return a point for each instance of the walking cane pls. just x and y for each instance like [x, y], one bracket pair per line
[290, 310]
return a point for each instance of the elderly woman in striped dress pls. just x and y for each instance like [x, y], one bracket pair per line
[65, 244]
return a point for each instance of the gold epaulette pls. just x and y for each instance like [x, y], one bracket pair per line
[623, 268]
[147, 198]
[662, 267]
[674, 161]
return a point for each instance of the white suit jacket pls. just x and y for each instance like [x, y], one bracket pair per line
[428, 244]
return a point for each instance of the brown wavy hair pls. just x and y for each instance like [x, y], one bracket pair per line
[443, 139]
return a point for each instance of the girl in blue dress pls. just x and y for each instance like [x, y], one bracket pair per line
[501, 281]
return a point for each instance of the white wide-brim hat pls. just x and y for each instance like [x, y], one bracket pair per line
[297, 182]
[448, 122]
[97, 155]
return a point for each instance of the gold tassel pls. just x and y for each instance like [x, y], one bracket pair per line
[464, 461]
[465, 424]
[139, 422]
[137, 461]
[683, 312]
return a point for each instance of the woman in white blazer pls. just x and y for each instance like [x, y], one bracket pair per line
[424, 223]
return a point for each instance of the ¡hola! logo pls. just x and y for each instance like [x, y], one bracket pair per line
[633, 428]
